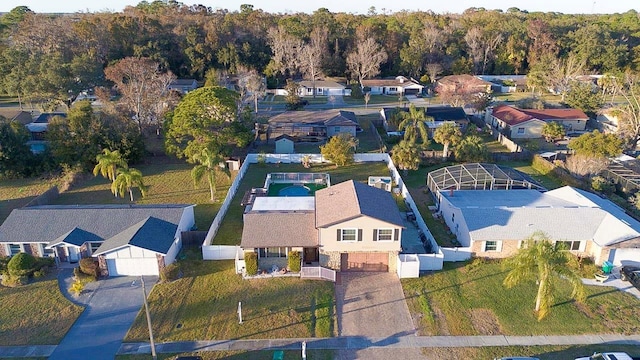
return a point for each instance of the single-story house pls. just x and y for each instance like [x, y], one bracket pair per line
[528, 123]
[505, 83]
[12, 114]
[494, 223]
[439, 114]
[312, 125]
[349, 226]
[468, 83]
[393, 86]
[183, 86]
[284, 144]
[323, 88]
[126, 239]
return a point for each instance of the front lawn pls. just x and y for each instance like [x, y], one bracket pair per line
[469, 299]
[203, 304]
[35, 314]
[230, 232]
[168, 183]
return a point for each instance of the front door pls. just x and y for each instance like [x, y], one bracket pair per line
[74, 254]
[311, 255]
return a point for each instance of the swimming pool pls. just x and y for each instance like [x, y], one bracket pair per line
[294, 190]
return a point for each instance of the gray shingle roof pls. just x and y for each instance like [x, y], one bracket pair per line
[326, 117]
[44, 224]
[350, 199]
[151, 234]
[279, 228]
[75, 237]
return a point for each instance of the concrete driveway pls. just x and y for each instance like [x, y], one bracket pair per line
[372, 305]
[109, 312]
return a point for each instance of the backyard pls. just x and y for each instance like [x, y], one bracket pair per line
[167, 183]
[469, 299]
[230, 231]
[17, 193]
[202, 305]
[35, 314]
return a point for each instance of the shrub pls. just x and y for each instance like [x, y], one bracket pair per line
[170, 272]
[40, 273]
[356, 91]
[21, 264]
[600, 184]
[9, 280]
[89, 266]
[251, 263]
[77, 287]
[293, 262]
[3, 263]
[83, 277]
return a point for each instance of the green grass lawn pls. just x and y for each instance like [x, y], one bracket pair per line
[35, 314]
[375, 99]
[547, 181]
[469, 299]
[239, 355]
[541, 352]
[202, 305]
[230, 231]
[368, 138]
[167, 182]
[17, 193]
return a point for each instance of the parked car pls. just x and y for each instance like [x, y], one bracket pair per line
[607, 356]
[631, 274]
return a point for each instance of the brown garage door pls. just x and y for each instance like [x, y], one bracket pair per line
[365, 262]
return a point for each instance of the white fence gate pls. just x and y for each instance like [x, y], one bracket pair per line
[317, 272]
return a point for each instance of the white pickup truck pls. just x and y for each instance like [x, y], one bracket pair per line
[607, 356]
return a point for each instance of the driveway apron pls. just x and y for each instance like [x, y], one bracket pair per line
[98, 332]
[372, 305]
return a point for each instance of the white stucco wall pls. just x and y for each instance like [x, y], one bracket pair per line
[452, 216]
[329, 242]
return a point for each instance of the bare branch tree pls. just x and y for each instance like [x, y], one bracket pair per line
[433, 70]
[311, 56]
[482, 46]
[365, 60]
[285, 49]
[253, 87]
[143, 88]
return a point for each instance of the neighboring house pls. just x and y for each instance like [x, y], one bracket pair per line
[494, 223]
[312, 125]
[440, 115]
[38, 130]
[528, 123]
[183, 85]
[126, 239]
[349, 226]
[284, 144]
[12, 114]
[323, 88]
[505, 83]
[393, 86]
[468, 83]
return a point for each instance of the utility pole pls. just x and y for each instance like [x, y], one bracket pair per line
[146, 309]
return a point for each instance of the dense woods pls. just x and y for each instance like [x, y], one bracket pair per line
[50, 56]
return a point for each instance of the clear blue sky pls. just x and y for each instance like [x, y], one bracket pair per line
[354, 6]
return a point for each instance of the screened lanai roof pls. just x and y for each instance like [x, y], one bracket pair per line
[479, 176]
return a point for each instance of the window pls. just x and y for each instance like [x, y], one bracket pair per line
[569, 245]
[309, 91]
[14, 249]
[274, 252]
[384, 235]
[336, 129]
[392, 89]
[490, 246]
[319, 90]
[348, 235]
[453, 217]
[49, 252]
[520, 130]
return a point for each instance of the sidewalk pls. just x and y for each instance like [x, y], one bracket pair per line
[358, 342]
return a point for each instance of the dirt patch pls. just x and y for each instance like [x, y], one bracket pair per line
[485, 322]
[421, 196]
[584, 309]
[441, 321]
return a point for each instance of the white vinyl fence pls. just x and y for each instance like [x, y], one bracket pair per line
[220, 252]
[317, 272]
[427, 261]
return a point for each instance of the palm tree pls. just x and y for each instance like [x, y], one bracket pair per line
[108, 164]
[126, 179]
[447, 134]
[209, 164]
[413, 124]
[406, 156]
[541, 260]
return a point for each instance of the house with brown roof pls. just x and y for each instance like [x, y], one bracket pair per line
[349, 226]
[312, 125]
[393, 86]
[17, 115]
[468, 83]
[528, 123]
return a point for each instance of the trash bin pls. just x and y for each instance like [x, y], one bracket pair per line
[607, 266]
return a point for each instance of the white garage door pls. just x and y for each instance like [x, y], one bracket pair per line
[624, 256]
[132, 267]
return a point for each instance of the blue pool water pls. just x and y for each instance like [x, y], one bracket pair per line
[294, 190]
